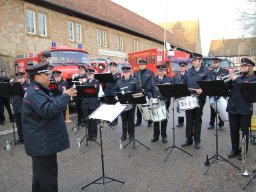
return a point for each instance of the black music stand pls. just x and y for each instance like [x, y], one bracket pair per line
[248, 91]
[104, 77]
[54, 88]
[8, 90]
[216, 88]
[132, 98]
[86, 91]
[105, 113]
[168, 91]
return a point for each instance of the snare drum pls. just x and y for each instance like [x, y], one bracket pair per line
[154, 101]
[158, 113]
[144, 109]
[189, 102]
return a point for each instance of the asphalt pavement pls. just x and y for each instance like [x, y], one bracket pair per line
[144, 171]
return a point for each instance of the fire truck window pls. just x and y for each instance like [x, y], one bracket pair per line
[138, 59]
[147, 59]
[153, 59]
[132, 60]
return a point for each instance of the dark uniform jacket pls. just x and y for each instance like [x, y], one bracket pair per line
[61, 84]
[152, 89]
[17, 99]
[43, 123]
[129, 85]
[221, 72]
[92, 102]
[236, 102]
[109, 87]
[144, 77]
[179, 79]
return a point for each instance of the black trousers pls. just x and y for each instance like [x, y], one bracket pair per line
[239, 122]
[128, 122]
[194, 122]
[45, 174]
[79, 110]
[111, 100]
[163, 128]
[5, 102]
[19, 125]
[213, 116]
[180, 120]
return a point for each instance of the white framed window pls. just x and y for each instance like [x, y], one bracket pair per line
[137, 46]
[121, 42]
[78, 33]
[71, 31]
[42, 24]
[134, 46]
[31, 23]
[117, 41]
[98, 37]
[105, 43]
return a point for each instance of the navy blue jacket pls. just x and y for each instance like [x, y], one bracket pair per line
[144, 77]
[236, 102]
[221, 72]
[179, 79]
[193, 76]
[152, 89]
[129, 85]
[43, 123]
[92, 102]
[109, 87]
[17, 99]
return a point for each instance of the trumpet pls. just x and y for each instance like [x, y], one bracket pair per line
[228, 77]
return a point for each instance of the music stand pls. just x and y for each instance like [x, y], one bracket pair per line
[248, 91]
[132, 98]
[54, 88]
[216, 88]
[104, 77]
[105, 113]
[7, 90]
[168, 91]
[86, 91]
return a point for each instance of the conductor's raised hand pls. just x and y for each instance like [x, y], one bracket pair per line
[72, 92]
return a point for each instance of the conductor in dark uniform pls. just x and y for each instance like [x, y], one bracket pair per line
[239, 111]
[109, 88]
[180, 78]
[143, 75]
[216, 71]
[153, 92]
[127, 84]
[44, 127]
[89, 104]
[17, 104]
[194, 116]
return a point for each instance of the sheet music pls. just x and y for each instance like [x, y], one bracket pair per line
[107, 112]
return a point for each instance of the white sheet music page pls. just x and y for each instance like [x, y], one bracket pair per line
[107, 112]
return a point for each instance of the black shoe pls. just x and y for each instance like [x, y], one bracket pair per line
[113, 124]
[131, 138]
[123, 137]
[154, 139]
[12, 120]
[233, 154]
[187, 143]
[179, 125]
[240, 157]
[197, 146]
[19, 141]
[137, 124]
[211, 127]
[88, 138]
[150, 124]
[164, 139]
[94, 138]
[221, 127]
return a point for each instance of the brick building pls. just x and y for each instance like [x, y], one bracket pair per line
[105, 29]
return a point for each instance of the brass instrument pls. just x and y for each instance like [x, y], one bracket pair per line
[228, 77]
[246, 173]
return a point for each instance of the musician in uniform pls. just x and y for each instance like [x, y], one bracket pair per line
[90, 104]
[82, 77]
[180, 78]
[239, 111]
[127, 84]
[143, 75]
[17, 104]
[109, 88]
[216, 71]
[194, 116]
[153, 92]
[44, 128]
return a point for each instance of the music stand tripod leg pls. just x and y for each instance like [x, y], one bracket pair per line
[254, 177]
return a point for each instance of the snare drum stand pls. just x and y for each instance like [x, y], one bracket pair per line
[173, 134]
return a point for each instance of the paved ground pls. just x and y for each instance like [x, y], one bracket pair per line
[143, 171]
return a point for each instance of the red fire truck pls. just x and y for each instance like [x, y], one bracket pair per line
[62, 58]
[155, 57]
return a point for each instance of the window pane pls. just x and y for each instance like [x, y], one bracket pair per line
[78, 33]
[30, 15]
[117, 42]
[98, 37]
[121, 43]
[134, 45]
[71, 30]
[153, 59]
[105, 44]
[42, 24]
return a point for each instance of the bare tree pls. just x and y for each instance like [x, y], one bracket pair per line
[248, 17]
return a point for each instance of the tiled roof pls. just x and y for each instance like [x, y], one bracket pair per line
[187, 32]
[233, 47]
[112, 13]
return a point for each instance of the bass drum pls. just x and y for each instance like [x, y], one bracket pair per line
[221, 108]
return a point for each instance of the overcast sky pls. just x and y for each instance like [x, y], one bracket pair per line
[217, 18]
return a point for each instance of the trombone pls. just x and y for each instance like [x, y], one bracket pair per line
[227, 78]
